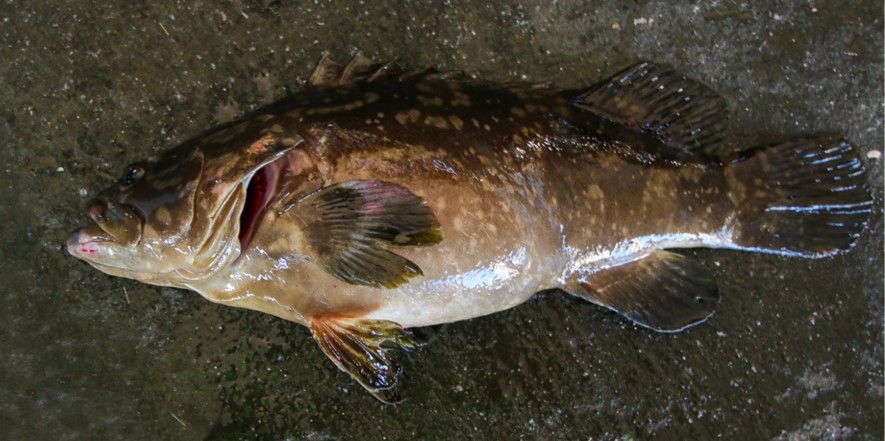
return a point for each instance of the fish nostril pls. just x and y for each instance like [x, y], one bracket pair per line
[96, 209]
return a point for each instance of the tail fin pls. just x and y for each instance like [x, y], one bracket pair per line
[803, 198]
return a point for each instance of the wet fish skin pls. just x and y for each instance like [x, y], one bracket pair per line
[378, 200]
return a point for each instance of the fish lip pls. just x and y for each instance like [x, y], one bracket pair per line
[84, 242]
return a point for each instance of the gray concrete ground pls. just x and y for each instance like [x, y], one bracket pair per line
[794, 352]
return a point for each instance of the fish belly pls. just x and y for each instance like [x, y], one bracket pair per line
[499, 248]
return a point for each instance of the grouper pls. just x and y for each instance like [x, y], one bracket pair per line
[379, 199]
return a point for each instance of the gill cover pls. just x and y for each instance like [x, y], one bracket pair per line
[231, 158]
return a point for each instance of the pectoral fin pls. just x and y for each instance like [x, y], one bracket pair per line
[663, 291]
[349, 227]
[362, 349]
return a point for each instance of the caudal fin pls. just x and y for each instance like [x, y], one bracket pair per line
[806, 198]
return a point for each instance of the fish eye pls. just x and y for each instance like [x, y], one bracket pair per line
[132, 174]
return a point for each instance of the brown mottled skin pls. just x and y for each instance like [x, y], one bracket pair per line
[525, 201]
[301, 210]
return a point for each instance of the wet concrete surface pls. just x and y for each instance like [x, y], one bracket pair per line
[794, 352]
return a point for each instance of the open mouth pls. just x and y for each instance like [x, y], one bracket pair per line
[259, 191]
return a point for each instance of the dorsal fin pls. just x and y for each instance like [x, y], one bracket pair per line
[361, 69]
[684, 115]
[325, 73]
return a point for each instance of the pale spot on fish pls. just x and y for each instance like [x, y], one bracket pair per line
[163, 216]
[428, 101]
[460, 99]
[595, 192]
[457, 123]
[260, 146]
[288, 142]
[281, 245]
[407, 117]
[458, 223]
[436, 121]
[149, 231]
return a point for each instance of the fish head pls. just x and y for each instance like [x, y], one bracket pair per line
[176, 219]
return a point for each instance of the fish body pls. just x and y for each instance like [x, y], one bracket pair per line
[378, 200]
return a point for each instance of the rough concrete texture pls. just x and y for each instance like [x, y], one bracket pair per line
[794, 351]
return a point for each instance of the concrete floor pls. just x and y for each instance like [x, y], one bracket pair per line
[794, 352]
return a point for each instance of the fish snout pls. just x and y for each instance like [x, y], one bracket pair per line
[121, 222]
[84, 243]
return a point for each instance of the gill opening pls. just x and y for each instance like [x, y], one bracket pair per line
[256, 199]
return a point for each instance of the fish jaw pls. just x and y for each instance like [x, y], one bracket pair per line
[93, 245]
[87, 243]
[103, 244]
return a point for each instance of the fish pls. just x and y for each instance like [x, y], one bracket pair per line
[378, 200]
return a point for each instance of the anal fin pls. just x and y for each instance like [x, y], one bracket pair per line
[663, 291]
[362, 349]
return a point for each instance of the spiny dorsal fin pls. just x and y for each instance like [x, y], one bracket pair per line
[348, 227]
[683, 114]
[325, 73]
[361, 69]
[362, 349]
[663, 291]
